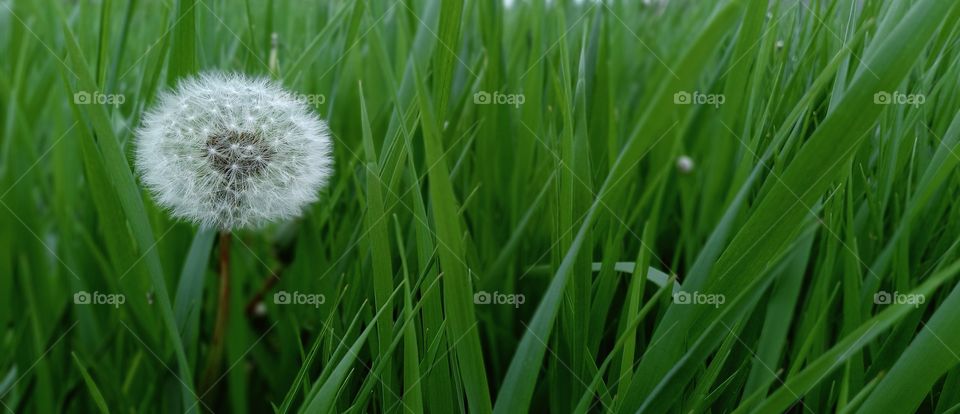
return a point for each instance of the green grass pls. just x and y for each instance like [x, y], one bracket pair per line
[811, 200]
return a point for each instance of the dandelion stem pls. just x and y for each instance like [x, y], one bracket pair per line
[215, 356]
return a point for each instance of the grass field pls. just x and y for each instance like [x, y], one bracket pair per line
[730, 206]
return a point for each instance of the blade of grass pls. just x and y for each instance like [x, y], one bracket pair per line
[91, 385]
[797, 385]
[517, 389]
[457, 286]
[378, 237]
[129, 195]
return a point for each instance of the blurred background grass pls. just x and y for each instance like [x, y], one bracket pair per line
[509, 228]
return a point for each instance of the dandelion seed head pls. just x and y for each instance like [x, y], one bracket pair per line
[210, 152]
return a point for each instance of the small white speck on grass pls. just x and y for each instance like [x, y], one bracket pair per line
[260, 309]
[685, 164]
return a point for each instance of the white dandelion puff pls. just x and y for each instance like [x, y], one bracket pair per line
[227, 151]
